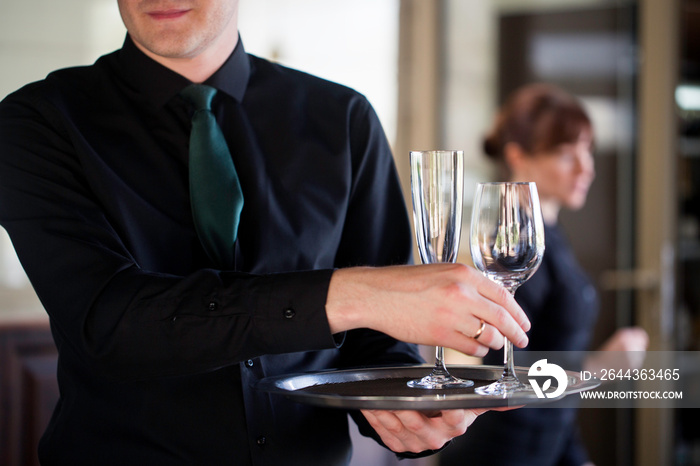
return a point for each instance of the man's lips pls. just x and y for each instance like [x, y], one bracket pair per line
[167, 14]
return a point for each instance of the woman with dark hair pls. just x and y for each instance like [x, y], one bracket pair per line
[543, 134]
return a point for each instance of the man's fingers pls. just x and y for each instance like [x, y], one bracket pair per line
[488, 336]
[458, 419]
[417, 431]
[499, 295]
[504, 318]
[405, 430]
[423, 433]
[393, 432]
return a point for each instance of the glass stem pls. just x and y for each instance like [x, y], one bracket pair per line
[508, 359]
[440, 360]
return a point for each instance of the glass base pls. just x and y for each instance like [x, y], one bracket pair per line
[504, 386]
[439, 381]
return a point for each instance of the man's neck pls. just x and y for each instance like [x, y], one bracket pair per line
[200, 67]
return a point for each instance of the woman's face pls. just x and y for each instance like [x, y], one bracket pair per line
[564, 174]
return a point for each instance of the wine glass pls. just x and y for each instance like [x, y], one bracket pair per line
[437, 184]
[507, 245]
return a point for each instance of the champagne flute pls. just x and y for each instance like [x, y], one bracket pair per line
[436, 185]
[507, 245]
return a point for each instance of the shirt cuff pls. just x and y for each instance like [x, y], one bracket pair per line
[292, 316]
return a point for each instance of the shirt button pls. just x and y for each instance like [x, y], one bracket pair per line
[261, 441]
[289, 313]
[249, 363]
[212, 306]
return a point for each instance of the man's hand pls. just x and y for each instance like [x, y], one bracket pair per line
[434, 304]
[414, 431]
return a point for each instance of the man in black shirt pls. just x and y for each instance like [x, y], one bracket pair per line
[159, 349]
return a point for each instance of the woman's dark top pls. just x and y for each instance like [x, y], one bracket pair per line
[562, 305]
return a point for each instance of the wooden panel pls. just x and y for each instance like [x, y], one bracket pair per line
[656, 206]
[28, 390]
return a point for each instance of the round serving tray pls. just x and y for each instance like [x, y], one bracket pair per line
[385, 388]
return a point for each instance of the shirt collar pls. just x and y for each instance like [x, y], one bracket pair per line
[232, 77]
[158, 84]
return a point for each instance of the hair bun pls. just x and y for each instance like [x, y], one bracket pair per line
[490, 146]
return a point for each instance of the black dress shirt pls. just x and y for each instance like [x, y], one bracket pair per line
[158, 351]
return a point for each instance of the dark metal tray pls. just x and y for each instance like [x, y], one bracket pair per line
[385, 388]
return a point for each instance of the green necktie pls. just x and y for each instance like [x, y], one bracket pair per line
[215, 190]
